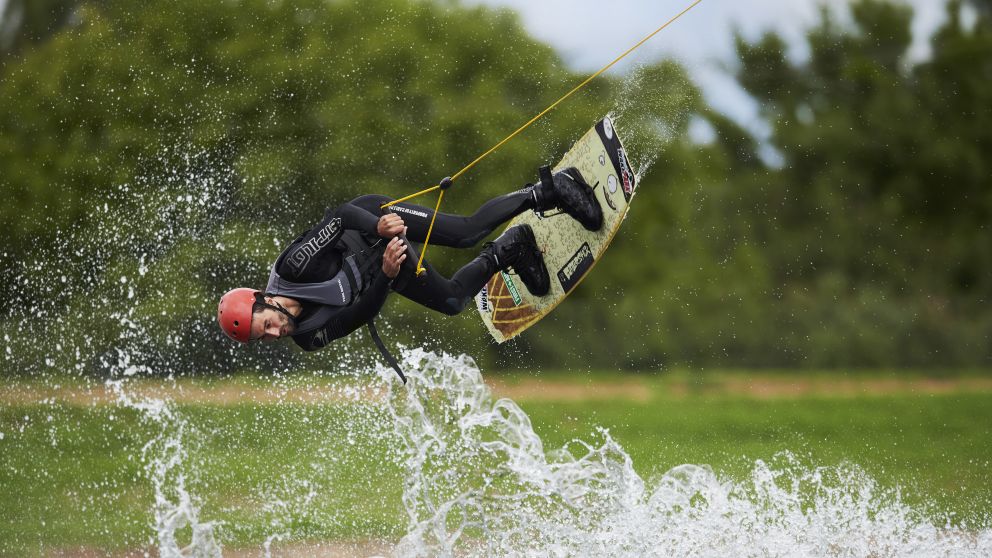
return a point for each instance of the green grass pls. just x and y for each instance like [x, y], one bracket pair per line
[78, 480]
[73, 476]
[938, 449]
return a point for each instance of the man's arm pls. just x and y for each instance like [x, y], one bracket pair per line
[354, 216]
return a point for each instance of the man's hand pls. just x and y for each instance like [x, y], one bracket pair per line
[390, 225]
[394, 256]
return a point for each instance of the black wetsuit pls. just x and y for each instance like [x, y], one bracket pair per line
[316, 256]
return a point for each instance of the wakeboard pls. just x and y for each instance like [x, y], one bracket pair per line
[570, 251]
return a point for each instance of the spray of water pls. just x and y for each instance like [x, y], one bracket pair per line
[481, 483]
[117, 320]
[166, 460]
[652, 109]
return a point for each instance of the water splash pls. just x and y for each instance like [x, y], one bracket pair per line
[124, 295]
[166, 464]
[480, 483]
[477, 480]
[652, 109]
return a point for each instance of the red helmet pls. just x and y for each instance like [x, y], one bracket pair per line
[234, 313]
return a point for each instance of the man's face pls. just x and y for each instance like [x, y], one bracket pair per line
[269, 325]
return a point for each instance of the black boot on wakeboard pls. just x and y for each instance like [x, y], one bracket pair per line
[517, 248]
[567, 190]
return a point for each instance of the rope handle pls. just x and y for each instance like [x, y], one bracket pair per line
[411, 252]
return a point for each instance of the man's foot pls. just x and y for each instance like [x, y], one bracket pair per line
[517, 248]
[567, 190]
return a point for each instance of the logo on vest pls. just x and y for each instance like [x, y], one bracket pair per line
[300, 258]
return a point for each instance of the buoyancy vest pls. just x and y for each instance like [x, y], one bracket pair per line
[359, 263]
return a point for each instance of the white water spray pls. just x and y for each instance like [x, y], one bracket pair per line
[480, 483]
[166, 463]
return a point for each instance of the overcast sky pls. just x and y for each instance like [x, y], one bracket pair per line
[591, 33]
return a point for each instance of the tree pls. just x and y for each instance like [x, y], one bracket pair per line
[871, 222]
[30, 22]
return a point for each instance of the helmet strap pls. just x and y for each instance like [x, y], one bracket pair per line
[260, 299]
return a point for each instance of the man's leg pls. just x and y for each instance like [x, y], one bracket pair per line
[516, 248]
[449, 296]
[456, 231]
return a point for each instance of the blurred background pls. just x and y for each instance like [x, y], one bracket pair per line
[815, 184]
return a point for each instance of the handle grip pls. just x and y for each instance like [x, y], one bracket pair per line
[412, 257]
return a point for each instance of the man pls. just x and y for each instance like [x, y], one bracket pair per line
[335, 277]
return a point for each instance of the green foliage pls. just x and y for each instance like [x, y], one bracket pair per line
[155, 155]
[882, 199]
[28, 22]
[862, 238]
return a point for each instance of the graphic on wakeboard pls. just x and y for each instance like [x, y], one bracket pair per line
[570, 251]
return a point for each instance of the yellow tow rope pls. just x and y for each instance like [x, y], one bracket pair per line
[444, 184]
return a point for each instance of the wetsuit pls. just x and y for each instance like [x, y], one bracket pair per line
[317, 255]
